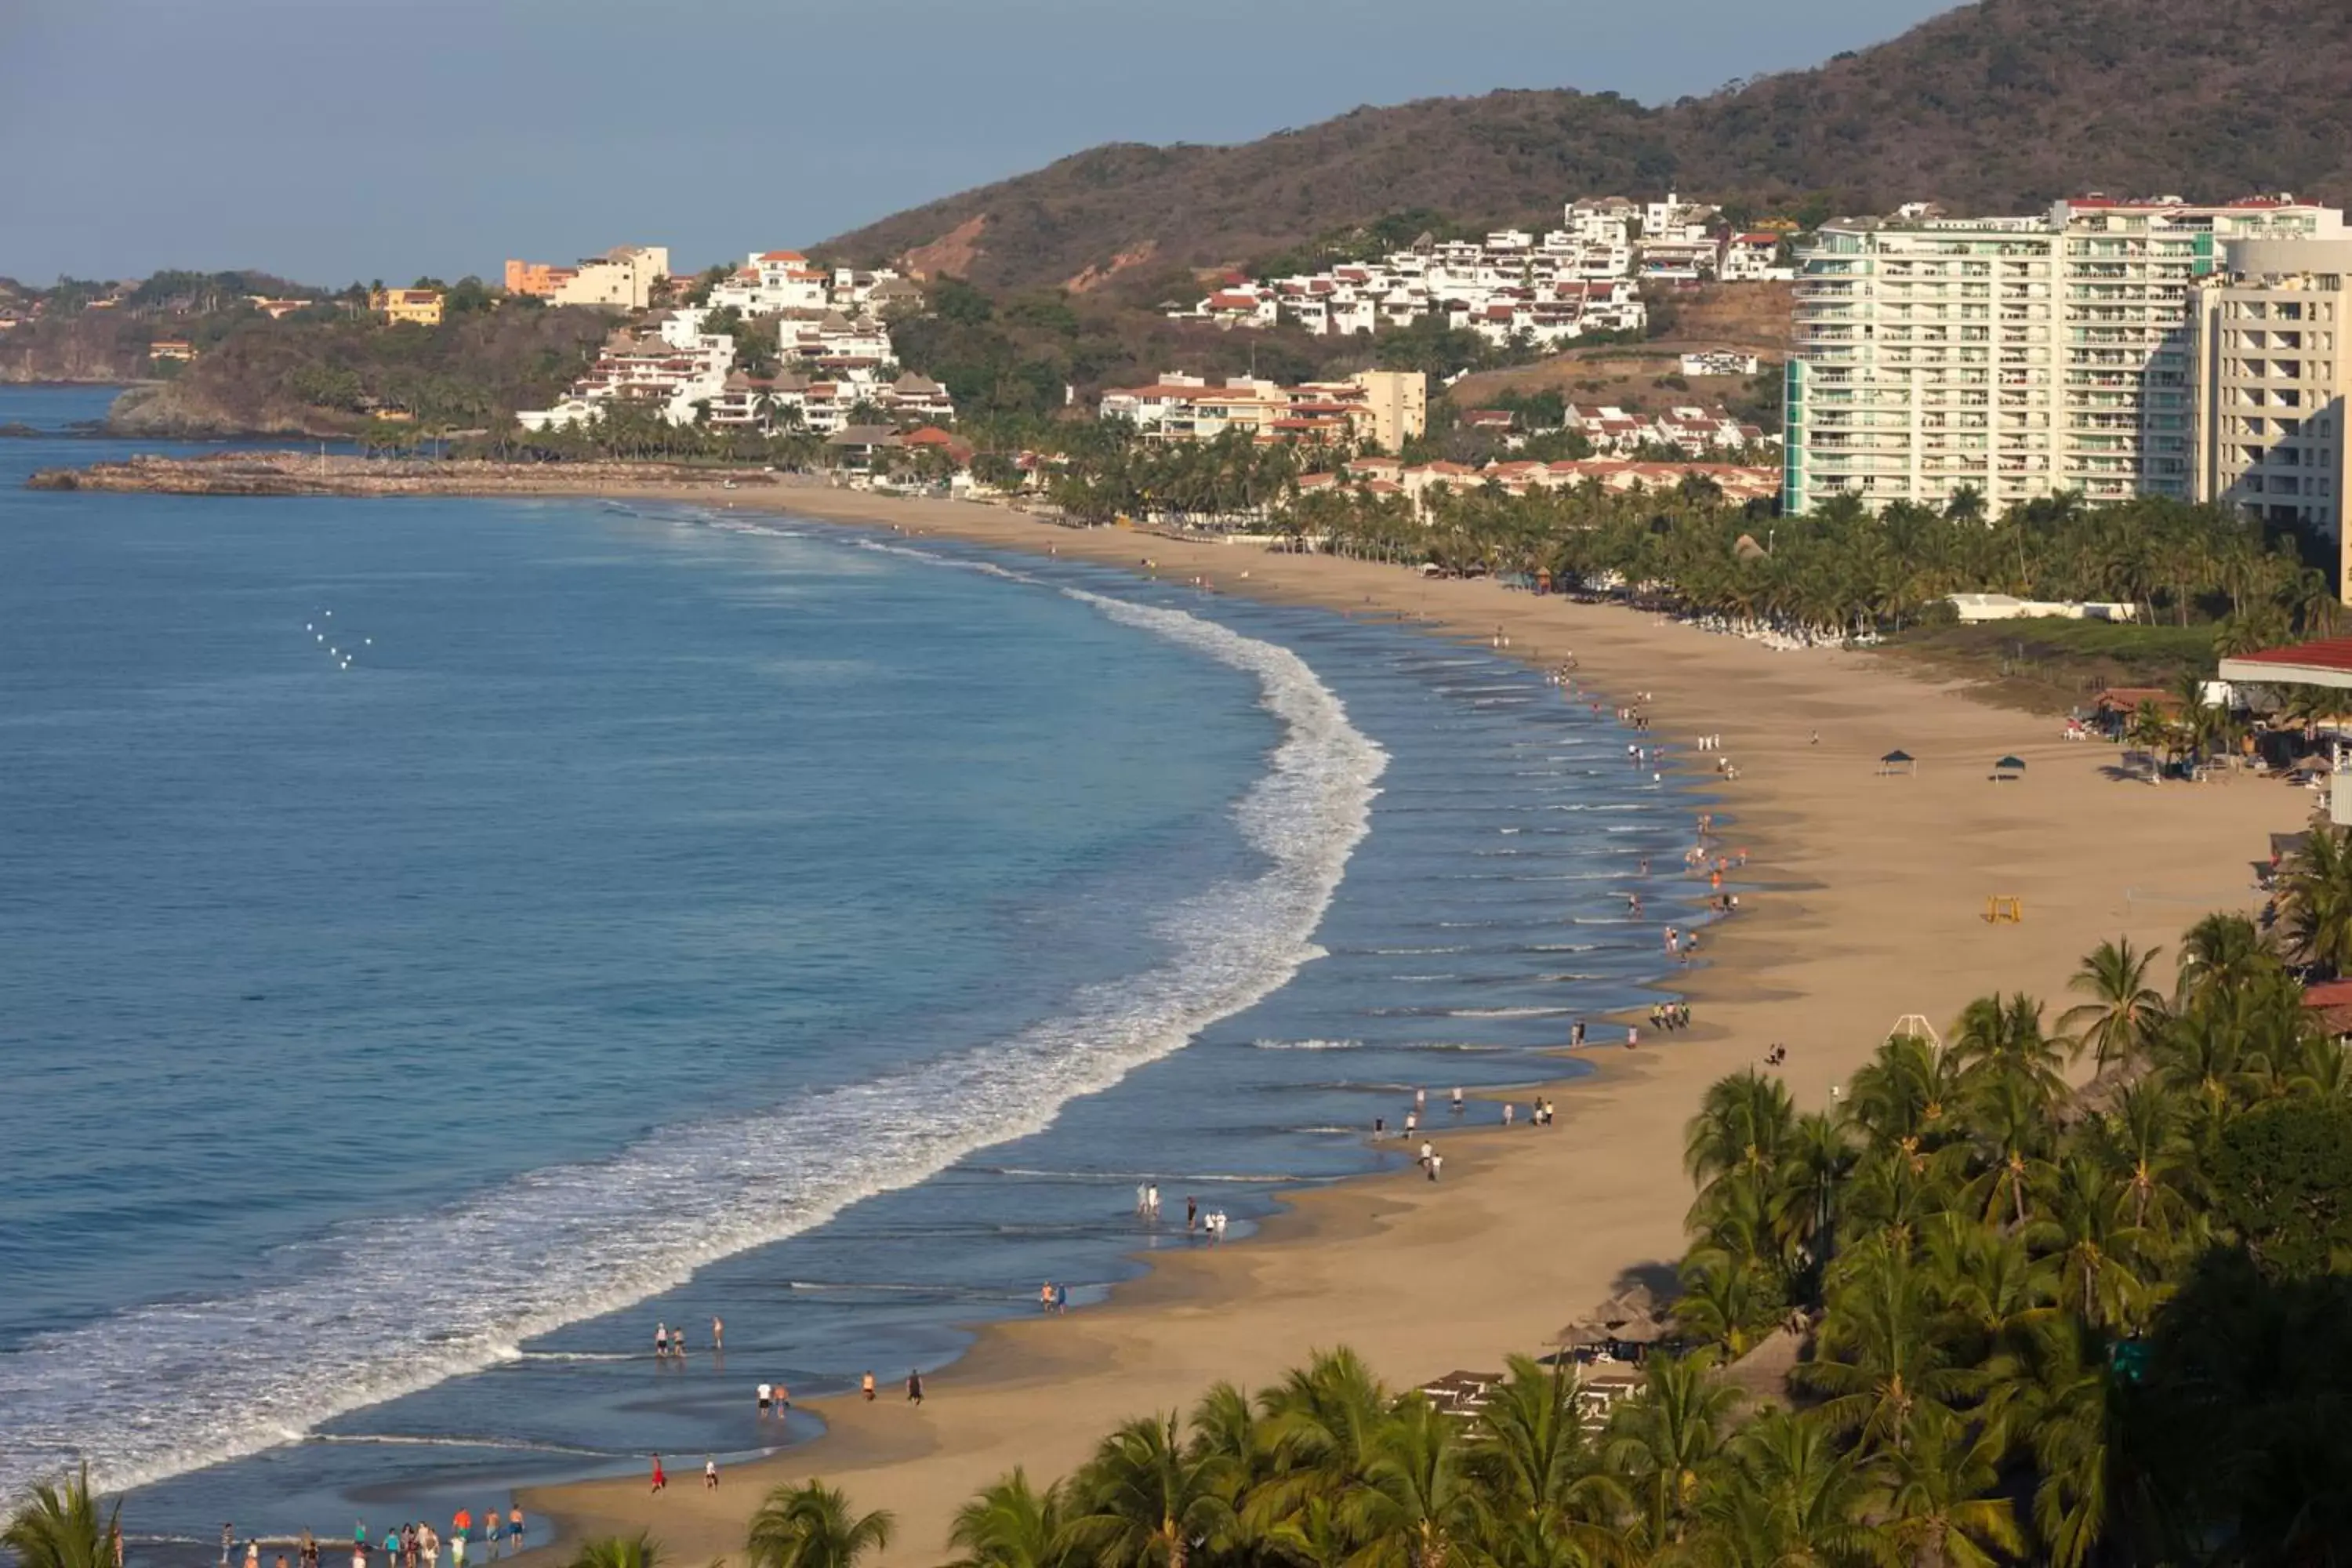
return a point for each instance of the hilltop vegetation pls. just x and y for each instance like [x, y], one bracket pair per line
[338, 374]
[2001, 105]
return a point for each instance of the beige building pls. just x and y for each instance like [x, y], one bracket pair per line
[2013, 356]
[2271, 377]
[623, 278]
[416, 307]
[1397, 404]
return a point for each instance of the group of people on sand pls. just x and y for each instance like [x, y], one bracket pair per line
[661, 1477]
[866, 1386]
[415, 1544]
[1776, 1055]
[1053, 1297]
[1665, 1015]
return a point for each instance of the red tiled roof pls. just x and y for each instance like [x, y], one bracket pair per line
[2329, 653]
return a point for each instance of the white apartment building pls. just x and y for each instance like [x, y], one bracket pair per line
[2271, 376]
[2016, 356]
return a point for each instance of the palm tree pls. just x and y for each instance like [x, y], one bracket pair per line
[1142, 1501]
[1790, 1498]
[1010, 1524]
[2003, 1036]
[58, 1527]
[1936, 1501]
[811, 1526]
[1726, 1302]
[1744, 1124]
[1317, 1427]
[2317, 899]
[1814, 1170]
[1885, 1350]
[1665, 1437]
[1530, 1452]
[638, 1551]
[2088, 1246]
[1418, 1506]
[2061, 1408]
[2140, 1141]
[2124, 1009]
[2220, 951]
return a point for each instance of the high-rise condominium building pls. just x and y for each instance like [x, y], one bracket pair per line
[2272, 374]
[2011, 356]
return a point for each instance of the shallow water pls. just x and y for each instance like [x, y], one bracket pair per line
[667, 916]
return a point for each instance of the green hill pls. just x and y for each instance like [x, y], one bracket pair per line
[2002, 105]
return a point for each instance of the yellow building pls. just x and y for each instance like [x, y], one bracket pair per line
[1396, 406]
[421, 306]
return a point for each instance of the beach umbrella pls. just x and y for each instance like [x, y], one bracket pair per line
[1581, 1336]
[1640, 1332]
[1897, 759]
[2008, 767]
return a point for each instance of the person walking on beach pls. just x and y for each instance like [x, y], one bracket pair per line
[514, 1528]
[1045, 1297]
[1436, 1163]
[867, 1385]
[718, 1337]
[1142, 1196]
[1192, 1212]
[1411, 1124]
[764, 1392]
[456, 1551]
[1457, 1100]
[1576, 1035]
[661, 1478]
[1508, 1109]
[914, 1387]
[229, 1543]
[661, 1341]
[253, 1553]
[709, 1473]
[1061, 1301]
[1151, 1195]
[784, 1399]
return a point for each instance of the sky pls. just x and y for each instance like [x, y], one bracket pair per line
[330, 141]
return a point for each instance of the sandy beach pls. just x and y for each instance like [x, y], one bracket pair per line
[1862, 902]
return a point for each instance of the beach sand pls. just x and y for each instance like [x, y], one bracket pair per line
[1864, 902]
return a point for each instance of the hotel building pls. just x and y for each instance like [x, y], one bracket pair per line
[2271, 378]
[2015, 356]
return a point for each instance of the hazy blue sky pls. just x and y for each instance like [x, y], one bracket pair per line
[330, 140]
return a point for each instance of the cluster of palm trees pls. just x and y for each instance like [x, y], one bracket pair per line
[1969, 1250]
[1229, 478]
[1844, 570]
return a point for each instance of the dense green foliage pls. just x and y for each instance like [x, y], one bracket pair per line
[1841, 570]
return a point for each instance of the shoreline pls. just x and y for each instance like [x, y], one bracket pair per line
[1418, 1276]
[1861, 903]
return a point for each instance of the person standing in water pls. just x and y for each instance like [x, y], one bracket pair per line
[914, 1386]
[661, 1341]
[718, 1336]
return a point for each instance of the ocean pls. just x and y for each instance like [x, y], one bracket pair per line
[440, 940]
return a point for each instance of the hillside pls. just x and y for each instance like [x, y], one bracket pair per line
[331, 377]
[2001, 105]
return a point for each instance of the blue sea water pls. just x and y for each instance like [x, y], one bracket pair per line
[667, 915]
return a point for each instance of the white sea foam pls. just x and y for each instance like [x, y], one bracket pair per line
[375, 1309]
[1307, 1044]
